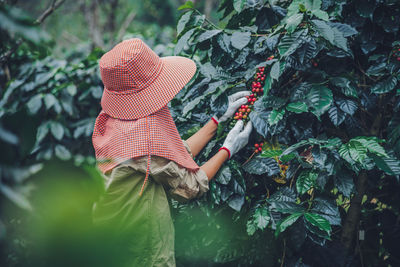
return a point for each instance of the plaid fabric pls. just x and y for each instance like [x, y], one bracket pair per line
[117, 140]
[137, 82]
[135, 120]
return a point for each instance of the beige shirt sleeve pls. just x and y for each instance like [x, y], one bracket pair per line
[180, 183]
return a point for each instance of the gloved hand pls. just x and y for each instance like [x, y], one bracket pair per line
[237, 138]
[234, 102]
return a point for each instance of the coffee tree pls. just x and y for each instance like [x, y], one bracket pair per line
[327, 116]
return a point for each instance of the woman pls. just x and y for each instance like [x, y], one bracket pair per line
[140, 151]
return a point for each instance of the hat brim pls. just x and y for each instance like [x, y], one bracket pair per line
[176, 72]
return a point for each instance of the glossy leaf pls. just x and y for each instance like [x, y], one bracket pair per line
[260, 165]
[318, 221]
[306, 181]
[285, 223]
[297, 107]
[275, 116]
[240, 39]
[384, 86]
[321, 99]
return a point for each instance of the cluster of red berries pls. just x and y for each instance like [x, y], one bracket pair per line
[258, 147]
[396, 53]
[257, 90]
[242, 113]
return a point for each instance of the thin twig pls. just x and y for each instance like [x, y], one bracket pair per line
[54, 5]
[208, 21]
[125, 25]
[363, 72]
[259, 34]
[284, 252]
[249, 158]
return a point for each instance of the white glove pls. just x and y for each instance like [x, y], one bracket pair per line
[234, 102]
[237, 138]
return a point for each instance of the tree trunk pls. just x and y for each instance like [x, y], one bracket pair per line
[353, 215]
[208, 7]
[92, 17]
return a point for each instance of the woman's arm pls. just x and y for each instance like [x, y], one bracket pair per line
[197, 141]
[236, 139]
[212, 166]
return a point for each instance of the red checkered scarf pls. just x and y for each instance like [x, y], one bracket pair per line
[116, 141]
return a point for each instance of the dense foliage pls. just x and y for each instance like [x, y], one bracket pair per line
[323, 191]
[330, 112]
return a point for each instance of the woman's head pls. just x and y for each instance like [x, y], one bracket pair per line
[137, 82]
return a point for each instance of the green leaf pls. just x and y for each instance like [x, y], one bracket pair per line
[358, 151]
[324, 29]
[336, 115]
[372, 144]
[275, 71]
[236, 202]
[260, 166]
[259, 220]
[305, 181]
[224, 41]
[8, 136]
[182, 22]
[224, 175]
[285, 223]
[207, 35]
[271, 153]
[182, 41]
[339, 40]
[345, 29]
[385, 86]
[17, 197]
[294, 7]
[50, 100]
[347, 105]
[345, 85]
[240, 39]
[320, 98]
[34, 104]
[390, 165]
[318, 221]
[313, 5]
[289, 43]
[187, 4]
[320, 14]
[344, 182]
[327, 209]
[260, 121]
[250, 227]
[238, 5]
[62, 152]
[297, 107]
[57, 130]
[268, 84]
[275, 116]
[42, 132]
[293, 21]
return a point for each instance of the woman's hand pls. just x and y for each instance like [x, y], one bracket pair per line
[235, 101]
[237, 138]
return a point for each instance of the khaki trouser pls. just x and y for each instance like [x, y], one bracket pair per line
[140, 229]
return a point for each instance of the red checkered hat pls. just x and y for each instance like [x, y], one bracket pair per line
[135, 120]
